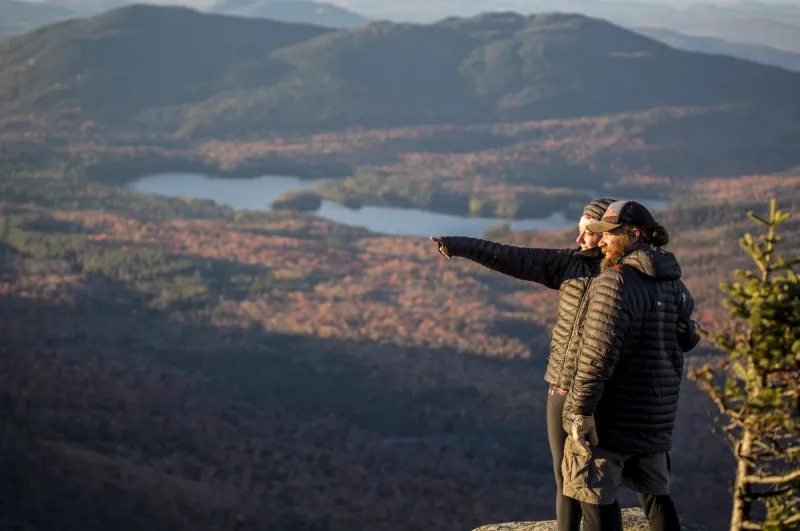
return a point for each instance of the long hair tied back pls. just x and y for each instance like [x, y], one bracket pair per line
[659, 237]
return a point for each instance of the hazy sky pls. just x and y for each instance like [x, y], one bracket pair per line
[426, 9]
[441, 3]
[423, 6]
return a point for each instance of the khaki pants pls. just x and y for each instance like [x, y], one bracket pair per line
[597, 479]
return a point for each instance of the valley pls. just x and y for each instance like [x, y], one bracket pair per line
[307, 374]
[177, 355]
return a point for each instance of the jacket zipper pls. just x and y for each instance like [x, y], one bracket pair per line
[578, 319]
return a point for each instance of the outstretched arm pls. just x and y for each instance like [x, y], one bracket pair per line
[543, 266]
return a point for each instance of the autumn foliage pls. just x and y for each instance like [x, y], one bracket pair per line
[302, 373]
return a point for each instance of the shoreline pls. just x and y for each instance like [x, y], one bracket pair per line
[518, 207]
[124, 163]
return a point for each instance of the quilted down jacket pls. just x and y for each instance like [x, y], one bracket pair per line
[629, 366]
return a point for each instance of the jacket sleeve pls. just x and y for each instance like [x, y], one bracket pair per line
[543, 266]
[685, 308]
[687, 341]
[603, 330]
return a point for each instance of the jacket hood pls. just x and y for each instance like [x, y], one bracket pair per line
[660, 265]
[591, 253]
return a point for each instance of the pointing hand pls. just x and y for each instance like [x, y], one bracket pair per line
[442, 246]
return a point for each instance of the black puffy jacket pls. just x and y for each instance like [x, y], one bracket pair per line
[630, 361]
[568, 270]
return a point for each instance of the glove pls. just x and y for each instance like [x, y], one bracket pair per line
[688, 336]
[583, 428]
[442, 247]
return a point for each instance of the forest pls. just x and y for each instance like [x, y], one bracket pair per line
[178, 363]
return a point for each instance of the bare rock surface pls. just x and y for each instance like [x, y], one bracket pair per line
[632, 520]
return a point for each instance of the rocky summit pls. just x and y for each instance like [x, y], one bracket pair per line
[632, 520]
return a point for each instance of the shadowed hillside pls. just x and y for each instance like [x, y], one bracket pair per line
[295, 434]
[141, 57]
[234, 76]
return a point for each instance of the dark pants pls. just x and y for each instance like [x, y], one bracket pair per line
[568, 511]
[660, 512]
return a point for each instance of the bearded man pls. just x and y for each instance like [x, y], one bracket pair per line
[570, 271]
[629, 368]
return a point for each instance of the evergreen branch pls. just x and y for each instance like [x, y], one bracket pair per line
[759, 396]
[733, 424]
[767, 452]
[771, 493]
[756, 480]
[718, 399]
[789, 450]
[756, 217]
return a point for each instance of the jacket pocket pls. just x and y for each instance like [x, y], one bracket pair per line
[576, 465]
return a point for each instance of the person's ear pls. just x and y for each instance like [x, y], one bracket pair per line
[637, 234]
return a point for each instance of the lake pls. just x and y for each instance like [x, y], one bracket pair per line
[259, 192]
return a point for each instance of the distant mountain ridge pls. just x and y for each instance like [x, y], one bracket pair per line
[18, 17]
[92, 7]
[756, 22]
[171, 68]
[298, 11]
[753, 52]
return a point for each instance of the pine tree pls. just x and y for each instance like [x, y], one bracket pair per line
[757, 385]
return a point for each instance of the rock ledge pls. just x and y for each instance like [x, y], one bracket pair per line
[632, 520]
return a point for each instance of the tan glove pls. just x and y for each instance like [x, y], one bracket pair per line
[442, 247]
[583, 428]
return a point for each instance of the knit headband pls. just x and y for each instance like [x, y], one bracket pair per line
[585, 220]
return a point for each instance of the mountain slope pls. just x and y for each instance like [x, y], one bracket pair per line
[139, 57]
[236, 76]
[296, 11]
[494, 67]
[752, 52]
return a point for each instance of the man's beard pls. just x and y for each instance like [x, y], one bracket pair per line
[614, 251]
